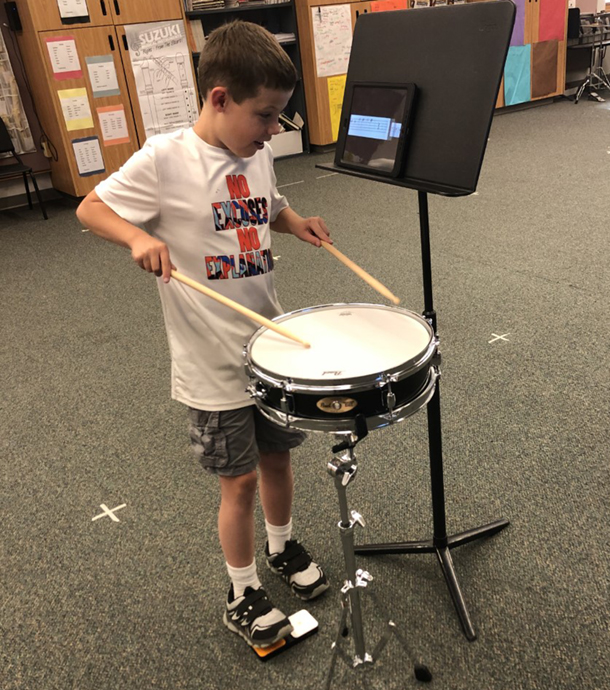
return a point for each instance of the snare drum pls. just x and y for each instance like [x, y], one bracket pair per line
[365, 359]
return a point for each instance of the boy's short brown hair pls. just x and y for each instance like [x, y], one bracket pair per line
[244, 57]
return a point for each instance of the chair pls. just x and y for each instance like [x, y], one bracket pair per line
[19, 168]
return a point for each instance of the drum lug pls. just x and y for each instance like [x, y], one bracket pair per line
[287, 399]
[390, 397]
[436, 359]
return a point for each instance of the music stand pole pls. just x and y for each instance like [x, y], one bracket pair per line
[440, 544]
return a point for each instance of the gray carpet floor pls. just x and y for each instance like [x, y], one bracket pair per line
[86, 420]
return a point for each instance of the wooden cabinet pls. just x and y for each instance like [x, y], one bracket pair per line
[94, 41]
[140, 11]
[96, 48]
[45, 14]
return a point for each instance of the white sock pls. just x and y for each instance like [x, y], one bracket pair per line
[243, 577]
[278, 536]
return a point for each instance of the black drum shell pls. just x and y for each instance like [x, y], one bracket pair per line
[370, 403]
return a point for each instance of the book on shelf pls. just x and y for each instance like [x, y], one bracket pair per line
[294, 123]
[202, 5]
[285, 37]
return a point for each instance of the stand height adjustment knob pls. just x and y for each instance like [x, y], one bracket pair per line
[363, 577]
[358, 519]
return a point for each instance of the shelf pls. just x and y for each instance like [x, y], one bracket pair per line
[247, 7]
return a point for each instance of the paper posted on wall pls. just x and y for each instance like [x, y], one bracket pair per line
[160, 59]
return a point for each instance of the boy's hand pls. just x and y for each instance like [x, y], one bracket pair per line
[152, 255]
[311, 230]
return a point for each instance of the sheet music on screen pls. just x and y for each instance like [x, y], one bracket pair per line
[375, 124]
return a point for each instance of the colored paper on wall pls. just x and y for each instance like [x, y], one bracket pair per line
[102, 74]
[336, 90]
[88, 154]
[517, 71]
[114, 125]
[544, 68]
[76, 110]
[552, 20]
[388, 5]
[64, 57]
[518, 35]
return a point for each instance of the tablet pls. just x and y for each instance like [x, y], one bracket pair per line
[375, 127]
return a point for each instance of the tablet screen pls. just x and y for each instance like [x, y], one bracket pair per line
[377, 117]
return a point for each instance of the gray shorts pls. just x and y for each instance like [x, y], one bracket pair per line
[228, 443]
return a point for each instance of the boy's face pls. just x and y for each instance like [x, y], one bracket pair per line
[244, 127]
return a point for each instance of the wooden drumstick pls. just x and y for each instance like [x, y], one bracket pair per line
[237, 307]
[361, 272]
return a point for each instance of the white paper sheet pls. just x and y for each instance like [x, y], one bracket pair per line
[72, 8]
[75, 107]
[332, 33]
[102, 75]
[114, 125]
[88, 154]
[160, 58]
[64, 57]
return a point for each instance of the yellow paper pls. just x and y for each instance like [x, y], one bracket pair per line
[76, 110]
[336, 89]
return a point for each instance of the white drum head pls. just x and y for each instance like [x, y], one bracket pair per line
[348, 341]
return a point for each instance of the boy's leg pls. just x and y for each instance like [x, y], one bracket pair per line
[225, 444]
[285, 556]
[236, 518]
[276, 487]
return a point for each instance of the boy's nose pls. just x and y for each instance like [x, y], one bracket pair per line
[275, 128]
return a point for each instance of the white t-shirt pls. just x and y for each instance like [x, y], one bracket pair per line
[213, 210]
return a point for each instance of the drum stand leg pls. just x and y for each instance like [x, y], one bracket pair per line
[343, 470]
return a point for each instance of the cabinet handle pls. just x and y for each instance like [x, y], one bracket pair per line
[117, 9]
[103, 6]
[125, 44]
[111, 41]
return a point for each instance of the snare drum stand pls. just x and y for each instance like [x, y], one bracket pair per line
[343, 469]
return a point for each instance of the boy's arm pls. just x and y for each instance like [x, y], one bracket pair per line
[149, 253]
[311, 230]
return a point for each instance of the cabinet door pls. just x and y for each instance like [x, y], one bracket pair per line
[45, 14]
[137, 11]
[101, 86]
[532, 21]
[358, 8]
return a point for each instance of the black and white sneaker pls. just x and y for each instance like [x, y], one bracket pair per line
[253, 617]
[298, 569]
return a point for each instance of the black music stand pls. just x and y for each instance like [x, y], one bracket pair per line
[455, 55]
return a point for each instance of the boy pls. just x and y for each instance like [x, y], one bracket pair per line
[207, 197]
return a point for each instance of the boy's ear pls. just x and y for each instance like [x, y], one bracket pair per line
[218, 98]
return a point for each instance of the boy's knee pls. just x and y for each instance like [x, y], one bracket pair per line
[241, 487]
[275, 463]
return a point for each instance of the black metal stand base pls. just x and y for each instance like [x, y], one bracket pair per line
[443, 554]
[441, 544]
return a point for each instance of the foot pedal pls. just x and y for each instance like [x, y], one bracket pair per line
[304, 625]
